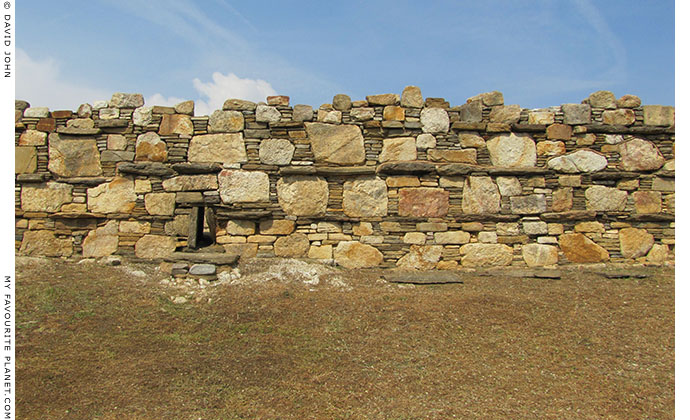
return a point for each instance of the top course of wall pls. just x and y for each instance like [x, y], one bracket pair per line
[390, 180]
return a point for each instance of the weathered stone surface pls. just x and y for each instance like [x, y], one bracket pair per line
[535, 227]
[276, 152]
[393, 113]
[480, 195]
[508, 186]
[238, 105]
[471, 112]
[452, 237]
[109, 113]
[528, 204]
[403, 181]
[423, 202]
[33, 138]
[412, 97]
[434, 120]
[362, 114]
[489, 98]
[237, 186]
[659, 254]
[202, 270]
[538, 255]
[350, 254]
[45, 243]
[117, 156]
[242, 227]
[635, 242]
[342, 102]
[601, 198]
[116, 142]
[628, 101]
[663, 184]
[97, 105]
[178, 124]
[143, 115]
[365, 197]
[562, 199]
[509, 114]
[37, 112]
[458, 156]
[20, 105]
[417, 238]
[421, 257]
[48, 197]
[276, 227]
[513, 151]
[602, 99]
[179, 226]
[116, 196]
[425, 141]
[580, 249]
[383, 99]
[486, 255]
[540, 117]
[550, 148]
[303, 113]
[559, 132]
[156, 169]
[84, 111]
[150, 148]
[187, 197]
[653, 115]
[102, 241]
[291, 246]
[191, 183]
[303, 195]
[590, 227]
[583, 160]
[337, 144]
[619, 117]
[278, 100]
[160, 203]
[400, 148]
[670, 203]
[640, 155]
[471, 140]
[576, 114]
[73, 158]
[268, 114]
[647, 202]
[613, 138]
[329, 116]
[320, 252]
[25, 159]
[133, 226]
[127, 100]
[225, 122]
[221, 148]
[154, 246]
[185, 107]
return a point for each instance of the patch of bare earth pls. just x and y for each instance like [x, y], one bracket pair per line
[293, 340]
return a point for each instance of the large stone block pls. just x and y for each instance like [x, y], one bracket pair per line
[44, 243]
[237, 186]
[601, 198]
[154, 246]
[541, 117]
[221, 148]
[73, 158]
[619, 117]
[486, 255]
[176, 124]
[383, 99]
[150, 148]
[421, 257]
[303, 195]
[480, 195]
[225, 122]
[509, 114]
[647, 202]
[635, 242]
[528, 204]
[580, 249]
[423, 202]
[602, 99]
[640, 155]
[512, 150]
[303, 113]
[127, 100]
[456, 237]
[434, 120]
[32, 138]
[275, 227]
[351, 254]
[191, 183]
[576, 114]
[654, 115]
[267, 114]
[162, 204]
[412, 97]
[291, 246]
[25, 160]
[116, 196]
[581, 161]
[538, 255]
[102, 241]
[365, 197]
[276, 152]
[494, 98]
[47, 197]
[337, 144]
[400, 148]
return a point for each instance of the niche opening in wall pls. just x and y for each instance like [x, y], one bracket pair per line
[199, 237]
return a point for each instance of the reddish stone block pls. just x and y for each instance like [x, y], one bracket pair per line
[46, 124]
[423, 202]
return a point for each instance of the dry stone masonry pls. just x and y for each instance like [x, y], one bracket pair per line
[389, 181]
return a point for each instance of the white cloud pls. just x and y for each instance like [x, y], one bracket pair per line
[40, 83]
[212, 94]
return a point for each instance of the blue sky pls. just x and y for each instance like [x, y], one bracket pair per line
[538, 53]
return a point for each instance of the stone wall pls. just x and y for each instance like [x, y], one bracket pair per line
[393, 180]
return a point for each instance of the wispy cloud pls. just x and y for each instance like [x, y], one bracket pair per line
[221, 87]
[40, 82]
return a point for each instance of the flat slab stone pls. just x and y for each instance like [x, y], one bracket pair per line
[196, 168]
[204, 257]
[424, 277]
[146, 168]
[337, 144]
[202, 269]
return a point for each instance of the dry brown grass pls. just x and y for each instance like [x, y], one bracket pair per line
[96, 343]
